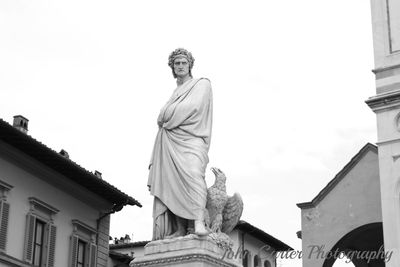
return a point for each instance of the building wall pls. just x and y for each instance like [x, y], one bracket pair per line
[353, 202]
[28, 184]
[256, 248]
[386, 104]
[103, 239]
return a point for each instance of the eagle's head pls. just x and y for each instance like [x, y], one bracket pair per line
[219, 175]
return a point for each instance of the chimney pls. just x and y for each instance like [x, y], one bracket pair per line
[98, 174]
[64, 153]
[127, 239]
[21, 123]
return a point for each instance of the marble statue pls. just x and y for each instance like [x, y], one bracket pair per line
[223, 212]
[180, 153]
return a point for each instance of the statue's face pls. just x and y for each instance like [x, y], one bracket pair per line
[181, 67]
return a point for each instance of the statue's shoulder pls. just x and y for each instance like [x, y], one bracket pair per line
[203, 82]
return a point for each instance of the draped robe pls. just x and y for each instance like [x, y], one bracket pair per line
[180, 156]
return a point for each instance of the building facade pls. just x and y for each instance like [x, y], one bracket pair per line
[53, 212]
[346, 216]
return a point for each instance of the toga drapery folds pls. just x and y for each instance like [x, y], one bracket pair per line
[180, 156]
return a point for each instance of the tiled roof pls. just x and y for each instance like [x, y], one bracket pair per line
[120, 256]
[262, 236]
[242, 226]
[71, 170]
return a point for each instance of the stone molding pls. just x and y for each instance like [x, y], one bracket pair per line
[189, 250]
[185, 259]
[384, 101]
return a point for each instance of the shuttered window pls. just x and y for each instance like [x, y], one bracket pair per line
[4, 214]
[83, 253]
[51, 246]
[29, 238]
[40, 234]
[83, 249]
[40, 242]
[80, 260]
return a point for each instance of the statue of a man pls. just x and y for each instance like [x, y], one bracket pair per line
[180, 153]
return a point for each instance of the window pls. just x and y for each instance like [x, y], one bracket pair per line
[4, 213]
[80, 260]
[83, 247]
[40, 234]
[267, 263]
[38, 243]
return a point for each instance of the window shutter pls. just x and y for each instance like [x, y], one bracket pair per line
[93, 255]
[51, 250]
[5, 211]
[29, 237]
[74, 251]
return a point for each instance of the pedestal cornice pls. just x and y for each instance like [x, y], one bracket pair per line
[189, 250]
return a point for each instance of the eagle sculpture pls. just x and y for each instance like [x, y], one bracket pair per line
[223, 211]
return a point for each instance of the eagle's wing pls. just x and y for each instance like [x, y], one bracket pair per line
[232, 212]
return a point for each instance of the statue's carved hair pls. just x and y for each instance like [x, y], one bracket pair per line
[181, 52]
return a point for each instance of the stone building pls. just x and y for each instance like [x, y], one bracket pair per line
[346, 216]
[53, 212]
[252, 247]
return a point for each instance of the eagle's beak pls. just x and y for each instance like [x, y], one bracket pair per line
[216, 171]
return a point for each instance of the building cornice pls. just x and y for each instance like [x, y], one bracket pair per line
[379, 70]
[384, 101]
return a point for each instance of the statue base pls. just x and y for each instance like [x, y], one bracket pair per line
[190, 250]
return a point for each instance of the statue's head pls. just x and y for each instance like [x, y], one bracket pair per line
[180, 53]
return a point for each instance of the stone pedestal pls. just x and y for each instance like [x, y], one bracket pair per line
[191, 251]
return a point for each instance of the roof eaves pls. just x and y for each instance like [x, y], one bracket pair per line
[129, 245]
[260, 234]
[65, 166]
[120, 256]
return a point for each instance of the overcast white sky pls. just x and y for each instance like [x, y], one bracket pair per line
[289, 81]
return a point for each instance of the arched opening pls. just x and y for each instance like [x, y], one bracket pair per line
[267, 263]
[257, 261]
[363, 246]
